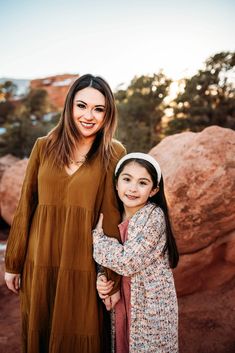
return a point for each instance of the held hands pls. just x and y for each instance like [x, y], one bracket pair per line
[13, 281]
[104, 287]
[102, 284]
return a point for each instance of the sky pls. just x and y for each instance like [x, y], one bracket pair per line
[114, 39]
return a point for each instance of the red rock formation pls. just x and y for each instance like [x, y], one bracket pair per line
[199, 175]
[56, 87]
[10, 188]
[6, 162]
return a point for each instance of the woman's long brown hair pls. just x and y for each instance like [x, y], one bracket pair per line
[63, 137]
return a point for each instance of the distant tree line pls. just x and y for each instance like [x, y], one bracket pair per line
[208, 98]
[146, 113]
[23, 120]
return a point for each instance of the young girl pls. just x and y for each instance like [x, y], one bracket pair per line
[147, 314]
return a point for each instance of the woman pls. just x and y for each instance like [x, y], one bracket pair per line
[68, 183]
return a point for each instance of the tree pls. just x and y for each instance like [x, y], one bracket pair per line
[25, 124]
[8, 88]
[37, 103]
[208, 97]
[7, 105]
[140, 109]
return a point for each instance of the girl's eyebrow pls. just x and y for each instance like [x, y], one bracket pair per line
[127, 174]
[147, 179]
[97, 105]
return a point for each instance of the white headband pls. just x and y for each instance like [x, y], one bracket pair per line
[139, 155]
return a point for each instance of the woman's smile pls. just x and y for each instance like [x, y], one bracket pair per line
[87, 125]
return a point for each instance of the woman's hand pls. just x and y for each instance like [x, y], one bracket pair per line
[99, 225]
[13, 281]
[103, 286]
[111, 301]
[115, 298]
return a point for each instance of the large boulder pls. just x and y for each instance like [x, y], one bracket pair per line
[10, 189]
[199, 176]
[6, 162]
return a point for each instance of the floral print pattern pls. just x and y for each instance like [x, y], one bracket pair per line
[154, 308]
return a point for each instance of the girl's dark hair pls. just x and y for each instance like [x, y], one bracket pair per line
[62, 139]
[160, 200]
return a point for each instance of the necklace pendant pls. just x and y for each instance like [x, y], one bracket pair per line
[79, 162]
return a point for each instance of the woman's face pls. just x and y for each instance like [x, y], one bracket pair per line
[88, 112]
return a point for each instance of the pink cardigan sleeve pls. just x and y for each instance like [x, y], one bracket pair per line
[135, 254]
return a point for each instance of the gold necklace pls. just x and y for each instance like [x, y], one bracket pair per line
[78, 162]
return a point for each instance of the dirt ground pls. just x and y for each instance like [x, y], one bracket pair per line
[206, 320]
[9, 307]
[9, 322]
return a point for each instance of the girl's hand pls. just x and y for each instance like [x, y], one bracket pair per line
[103, 286]
[13, 281]
[99, 225]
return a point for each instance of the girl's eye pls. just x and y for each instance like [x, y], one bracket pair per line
[142, 183]
[126, 179]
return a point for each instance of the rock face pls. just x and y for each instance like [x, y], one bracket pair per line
[10, 188]
[199, 175]
[6, 162]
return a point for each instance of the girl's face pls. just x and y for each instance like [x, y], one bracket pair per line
[134, 187]
[88, 112]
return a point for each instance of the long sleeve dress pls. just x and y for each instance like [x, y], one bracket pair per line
[153, 301]
[50, 245]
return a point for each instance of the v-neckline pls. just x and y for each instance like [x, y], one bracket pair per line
[75, 172]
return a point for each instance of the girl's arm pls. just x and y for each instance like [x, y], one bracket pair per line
[135, 254]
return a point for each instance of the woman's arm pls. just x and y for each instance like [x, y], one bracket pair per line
[135, 254]
[18, 237]
[109, 207]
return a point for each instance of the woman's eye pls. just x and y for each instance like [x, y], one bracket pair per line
[142, 183]
[99, 110]
[81, 106]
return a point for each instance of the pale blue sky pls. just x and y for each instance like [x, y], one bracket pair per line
[115, 39]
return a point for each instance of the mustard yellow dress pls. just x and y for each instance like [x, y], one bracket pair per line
[50, 244]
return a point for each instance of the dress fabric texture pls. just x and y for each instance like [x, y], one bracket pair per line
[50, 244]
[154, 308]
